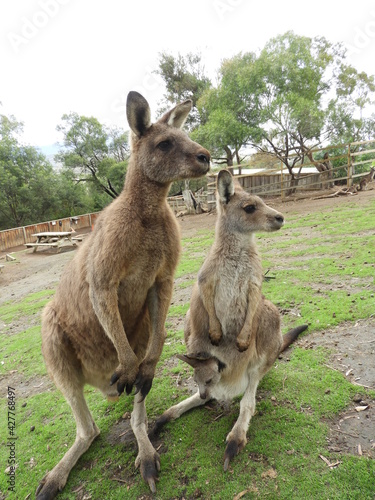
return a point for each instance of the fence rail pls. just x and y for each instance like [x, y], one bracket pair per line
[278, 181]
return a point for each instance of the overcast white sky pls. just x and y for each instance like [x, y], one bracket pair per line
[59, 56]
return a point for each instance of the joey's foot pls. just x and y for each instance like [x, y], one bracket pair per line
[234, 446]
[159, 424]
[149, 467]
[48, 489]
[125, 378]
[242, 346]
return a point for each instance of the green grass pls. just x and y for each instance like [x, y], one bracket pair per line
[323, 281]
[30, 305]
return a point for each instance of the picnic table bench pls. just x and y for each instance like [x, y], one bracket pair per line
[52, 239]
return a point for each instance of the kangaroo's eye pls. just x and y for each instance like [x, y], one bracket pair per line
[250, 209]
[164, 145]
[208, 382]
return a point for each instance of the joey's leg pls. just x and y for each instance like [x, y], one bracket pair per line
[177, 410]
[148, 459]
[54, 481]
[236, 439]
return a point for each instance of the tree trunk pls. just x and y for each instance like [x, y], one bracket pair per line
[229, 158]
[237, 157]
[293, 185]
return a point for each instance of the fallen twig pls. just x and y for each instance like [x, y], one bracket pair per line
[330, 465]
[348, 433]
[118, 479]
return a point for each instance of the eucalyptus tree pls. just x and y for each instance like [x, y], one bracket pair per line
[95, 154]
[311, 97]
[27, 179]
[231, 112]
[184, 78]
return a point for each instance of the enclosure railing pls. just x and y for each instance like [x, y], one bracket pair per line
[278, 180]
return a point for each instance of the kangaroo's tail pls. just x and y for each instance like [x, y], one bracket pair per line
[291, 336]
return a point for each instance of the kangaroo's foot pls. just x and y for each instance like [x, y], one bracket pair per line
[150, 468]
[234, 446]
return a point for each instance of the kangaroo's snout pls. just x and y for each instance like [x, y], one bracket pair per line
[203, 395]
[204, 158]
[280, 219]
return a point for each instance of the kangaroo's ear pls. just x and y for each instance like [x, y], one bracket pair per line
[224, 186]
[138, 113]
[190, 361]
[176, 117]
[195, 359]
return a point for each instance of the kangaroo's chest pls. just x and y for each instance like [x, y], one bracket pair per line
[235, 280]
[154, 263]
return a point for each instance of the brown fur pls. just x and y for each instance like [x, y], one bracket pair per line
[106, 321]
[366, 180]
[232, 332]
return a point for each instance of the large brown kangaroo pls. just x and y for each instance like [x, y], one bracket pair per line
[232, 332]
[105, 324]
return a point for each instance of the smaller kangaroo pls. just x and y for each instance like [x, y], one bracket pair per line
[232, 332]
[367, 179]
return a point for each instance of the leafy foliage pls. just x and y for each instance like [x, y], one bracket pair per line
[24, 175]
[94, 153]
[184, 79]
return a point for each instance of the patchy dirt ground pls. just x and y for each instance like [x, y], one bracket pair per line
[352, 346]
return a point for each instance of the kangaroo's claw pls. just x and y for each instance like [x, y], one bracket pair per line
[150, 467]
[124, 379]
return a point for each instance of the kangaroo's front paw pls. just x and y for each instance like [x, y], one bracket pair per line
[215, 336]
[242, 346]
[125, 378]
[149, 466]
[143, 382]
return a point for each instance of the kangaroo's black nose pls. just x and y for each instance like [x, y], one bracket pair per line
[280, 219]
[203, 158]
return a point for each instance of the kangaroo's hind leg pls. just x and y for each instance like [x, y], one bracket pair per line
[177, 410]
[236, 439]
[148, 458]
[65, 369]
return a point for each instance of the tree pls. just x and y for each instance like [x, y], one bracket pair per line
[231, 111]
[27, 179]
[95, 154]
[309, 93]
[346, 117]
[184, 79]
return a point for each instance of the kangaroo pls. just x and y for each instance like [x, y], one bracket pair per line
[232, 332]
[105, 325]
[367, 179]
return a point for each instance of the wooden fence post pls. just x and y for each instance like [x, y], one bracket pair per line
[349, 182]
[282, 183]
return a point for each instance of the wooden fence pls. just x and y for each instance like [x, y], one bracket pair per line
[20, 235]
[277, 181]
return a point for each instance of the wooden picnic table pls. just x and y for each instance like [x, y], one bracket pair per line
[51, 239]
